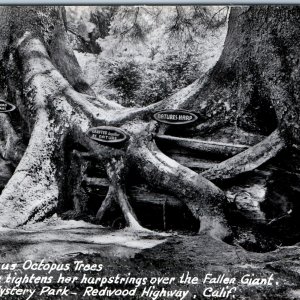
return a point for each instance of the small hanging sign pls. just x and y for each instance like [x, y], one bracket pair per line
[175, 117]
[107, 134]
[6, 107]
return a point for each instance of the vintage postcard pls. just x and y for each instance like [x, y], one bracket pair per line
[149, 152]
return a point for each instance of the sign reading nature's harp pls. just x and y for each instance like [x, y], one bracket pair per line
[6, 107]
[175, 117]
[107, 134]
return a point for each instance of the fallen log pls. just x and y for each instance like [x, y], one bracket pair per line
[247, 160]
[200, 146]
[195, 163]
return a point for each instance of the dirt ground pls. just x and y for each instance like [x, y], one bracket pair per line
[151, 255]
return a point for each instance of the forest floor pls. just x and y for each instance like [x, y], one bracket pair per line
[150, 255]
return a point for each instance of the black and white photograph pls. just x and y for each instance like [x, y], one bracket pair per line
[150, 152]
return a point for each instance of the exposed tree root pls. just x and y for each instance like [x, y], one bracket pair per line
[106, 204]
[32, 192]
[202, 197]
[247, 160]
[115, 170]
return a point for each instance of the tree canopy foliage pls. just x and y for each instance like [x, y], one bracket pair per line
[145, 53]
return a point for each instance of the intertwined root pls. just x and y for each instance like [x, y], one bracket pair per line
[117, 192]
[201, 196]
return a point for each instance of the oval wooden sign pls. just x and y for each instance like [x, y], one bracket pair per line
[6, 107]
[107, 134]
[175, 117]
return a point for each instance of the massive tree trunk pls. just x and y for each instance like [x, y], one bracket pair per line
[255, 77]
